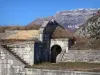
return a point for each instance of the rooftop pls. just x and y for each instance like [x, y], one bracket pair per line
[61, 32]
[24, 35]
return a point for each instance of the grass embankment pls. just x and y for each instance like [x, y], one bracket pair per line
[72, 66]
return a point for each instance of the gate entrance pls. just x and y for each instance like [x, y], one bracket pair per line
[55, 50]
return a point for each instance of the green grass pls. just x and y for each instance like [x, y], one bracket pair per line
[74, 66]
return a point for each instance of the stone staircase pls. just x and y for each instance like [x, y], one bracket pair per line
[15, 54]
[61, 56]
[68, 57]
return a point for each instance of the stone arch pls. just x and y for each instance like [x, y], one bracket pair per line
[55, 50]
[62, 42]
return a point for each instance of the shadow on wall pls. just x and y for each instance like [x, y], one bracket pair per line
[38, 52]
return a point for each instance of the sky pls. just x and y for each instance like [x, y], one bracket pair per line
[22, 12]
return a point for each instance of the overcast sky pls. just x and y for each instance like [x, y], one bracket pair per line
[22, 12]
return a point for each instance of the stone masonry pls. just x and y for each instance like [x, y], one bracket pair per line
[16, 56]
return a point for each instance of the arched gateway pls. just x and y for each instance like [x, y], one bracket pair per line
[55, 50]
[53, 41]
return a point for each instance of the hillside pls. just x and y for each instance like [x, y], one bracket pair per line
[91, 30]
[91, 27]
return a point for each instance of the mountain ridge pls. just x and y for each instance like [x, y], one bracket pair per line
[70, 19]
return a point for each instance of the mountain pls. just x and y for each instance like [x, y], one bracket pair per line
[70, 19]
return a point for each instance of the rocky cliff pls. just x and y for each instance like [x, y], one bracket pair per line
[91, 27]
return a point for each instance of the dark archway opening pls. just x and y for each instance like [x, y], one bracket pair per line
[55, 50]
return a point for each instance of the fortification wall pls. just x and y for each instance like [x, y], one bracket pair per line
[25, 50]
[91, 56]
[9, 65]
[57, 72]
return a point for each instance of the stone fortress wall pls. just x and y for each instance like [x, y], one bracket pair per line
[29, 51]
[90, 56]
[10, 65]
[57, 72]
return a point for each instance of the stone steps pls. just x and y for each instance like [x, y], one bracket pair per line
[16, 55]
[24, 50]
[67, 56]
[17, 52]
